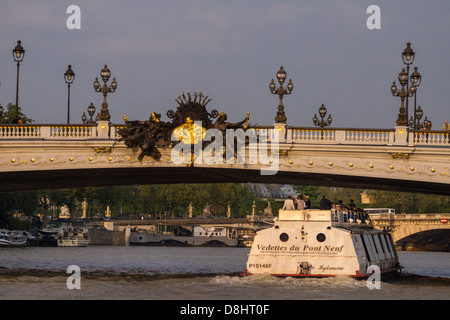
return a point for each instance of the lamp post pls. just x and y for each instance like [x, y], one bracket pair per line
[18, 54]
[91, 111]
[322, 123]
[69, 77]
[402, 119]
[105, 89]
[416, 79]
[408, 56]
[417, 125]
[281, 91]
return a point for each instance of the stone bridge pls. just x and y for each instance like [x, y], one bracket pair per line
[60, 156]
[428, 231]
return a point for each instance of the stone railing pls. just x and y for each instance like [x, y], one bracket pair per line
[74, 131]
[20, 131]
[429, 137]
[301, 135]
[58, 131]
[423, 216]
[341, 135]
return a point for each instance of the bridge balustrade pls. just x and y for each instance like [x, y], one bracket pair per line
[341, 135]
[369, 136]
[20, 131]
[312, 135]
[301, 135]
[75, 131]
[430, 137]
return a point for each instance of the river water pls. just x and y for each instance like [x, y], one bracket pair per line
[196, 273]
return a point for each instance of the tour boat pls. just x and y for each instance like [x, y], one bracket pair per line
[70, 236]
[182, 236]
[12, 238]
[322, 243]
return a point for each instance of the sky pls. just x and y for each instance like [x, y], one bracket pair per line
[230, 49]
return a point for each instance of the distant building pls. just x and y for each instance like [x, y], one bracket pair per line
[365, 197]
[274, 191]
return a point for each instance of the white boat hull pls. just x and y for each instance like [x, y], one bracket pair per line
[15, 243]
[309, 244]
[152, 239]
[69, 236]
[73, 242]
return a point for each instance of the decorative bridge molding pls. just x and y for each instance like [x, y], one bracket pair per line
[55, 156]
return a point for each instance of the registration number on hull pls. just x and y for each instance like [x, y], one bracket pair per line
[260, 265]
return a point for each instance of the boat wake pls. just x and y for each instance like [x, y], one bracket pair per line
[227, 279]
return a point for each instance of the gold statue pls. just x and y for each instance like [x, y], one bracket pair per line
[246, 120]
[154, 118]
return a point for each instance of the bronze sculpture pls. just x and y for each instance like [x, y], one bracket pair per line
[149, 135]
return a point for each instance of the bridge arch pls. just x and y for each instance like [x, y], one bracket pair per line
[48, 178]
[427, 240]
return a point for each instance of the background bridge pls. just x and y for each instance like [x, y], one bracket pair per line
[61, 156]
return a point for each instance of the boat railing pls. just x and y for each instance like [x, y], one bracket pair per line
[350, 217]
[335, 216]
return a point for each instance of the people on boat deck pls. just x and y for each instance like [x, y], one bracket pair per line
[339, 205]
[352, 205]
[299, 203]
[289, 204]
[325, 204]
[307, 202]
[302, 202]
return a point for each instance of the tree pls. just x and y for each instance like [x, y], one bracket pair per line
[10, 113]
[404, 202]
[17, 202]
[314, 192]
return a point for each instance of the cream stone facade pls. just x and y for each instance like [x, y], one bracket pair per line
[367, 158]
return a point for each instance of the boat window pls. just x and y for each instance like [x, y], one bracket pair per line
[370, 247]
[378, 246]
[375, 247]
[365, 249]
[391, 245]
[385, 246]
[284, 237]
[321, 237]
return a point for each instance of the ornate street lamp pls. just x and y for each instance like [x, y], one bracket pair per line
[416, 79]
[281, 91]
[91, 112]
[417, 125]
[18, 54]
[105, 74]
[408, 56]
[322, 123]
[69, 77]
[402, 119]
